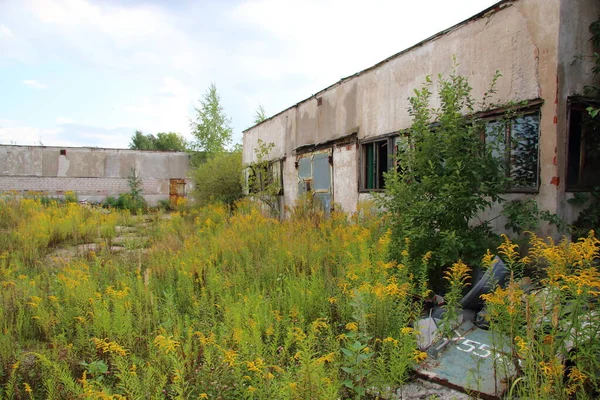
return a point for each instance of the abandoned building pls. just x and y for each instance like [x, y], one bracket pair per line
[92, 173]
[337, 143]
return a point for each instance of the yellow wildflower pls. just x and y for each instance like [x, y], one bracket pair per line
[270, 331]
[230, 356]
[407, 330]
[419, 356]
[318, 325]
[167, 344]
[352, 326]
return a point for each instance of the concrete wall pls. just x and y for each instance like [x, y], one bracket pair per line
[92, 173]
[531, 42]
[574, 72]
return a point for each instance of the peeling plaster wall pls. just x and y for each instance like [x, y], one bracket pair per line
[345, 179]
[574, 72]
[90, 172]
[519, 38]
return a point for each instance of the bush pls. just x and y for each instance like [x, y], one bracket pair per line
[445, 177]
[218, 180]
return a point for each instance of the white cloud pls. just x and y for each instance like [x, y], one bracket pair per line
[5, 31]
[26, 135]
[272, 52]
[115, 36]
[166, 110]
[64, 120]
[32, 83]
[69, 134]
[322, 41]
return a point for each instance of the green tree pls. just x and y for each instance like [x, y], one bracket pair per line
[445, 177]
[170, 141]
[139, 141]
[211, 127]
[260, 114]
[218, 179]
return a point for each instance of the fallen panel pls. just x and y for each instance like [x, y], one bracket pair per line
[470, 362]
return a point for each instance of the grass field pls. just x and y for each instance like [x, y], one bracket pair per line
[212, 304]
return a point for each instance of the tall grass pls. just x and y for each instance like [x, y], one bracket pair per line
[238, 305]
[222, 305]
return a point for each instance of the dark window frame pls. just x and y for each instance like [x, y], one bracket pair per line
[579, 135]
[376, 179]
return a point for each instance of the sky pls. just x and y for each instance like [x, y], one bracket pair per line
[91, 73]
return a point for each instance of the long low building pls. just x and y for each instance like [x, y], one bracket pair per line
[93, 173]
[337, 143]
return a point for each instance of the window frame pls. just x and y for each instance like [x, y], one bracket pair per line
[580, 105]
[273, 174]
[390, 141]
[508, 119]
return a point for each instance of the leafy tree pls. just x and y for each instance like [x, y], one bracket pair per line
[170, 141]
[139, 141]
[218, 179]
[259, 115]
[445, 178]
[211, 128]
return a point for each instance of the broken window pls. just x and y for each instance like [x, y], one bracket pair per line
[583, 162]
[516, 140]
[315, 177]
[377, 157]
[266, 176]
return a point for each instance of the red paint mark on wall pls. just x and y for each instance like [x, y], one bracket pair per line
[555, 120]
[555, 181]
[555, 161]
[349, 147]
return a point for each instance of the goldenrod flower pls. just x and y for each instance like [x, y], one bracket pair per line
[419, 356]
[352, 326]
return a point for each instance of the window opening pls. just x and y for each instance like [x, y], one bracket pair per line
[377, 159]
[583, 162]
[315, 177]
[516, 140]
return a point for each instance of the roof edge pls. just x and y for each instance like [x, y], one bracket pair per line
[93, 148]
[494, 8]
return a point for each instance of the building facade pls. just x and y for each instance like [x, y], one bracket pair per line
[337, 143]
[92, 173]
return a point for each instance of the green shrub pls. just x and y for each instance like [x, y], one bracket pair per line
[445, 178]
[219, 179]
